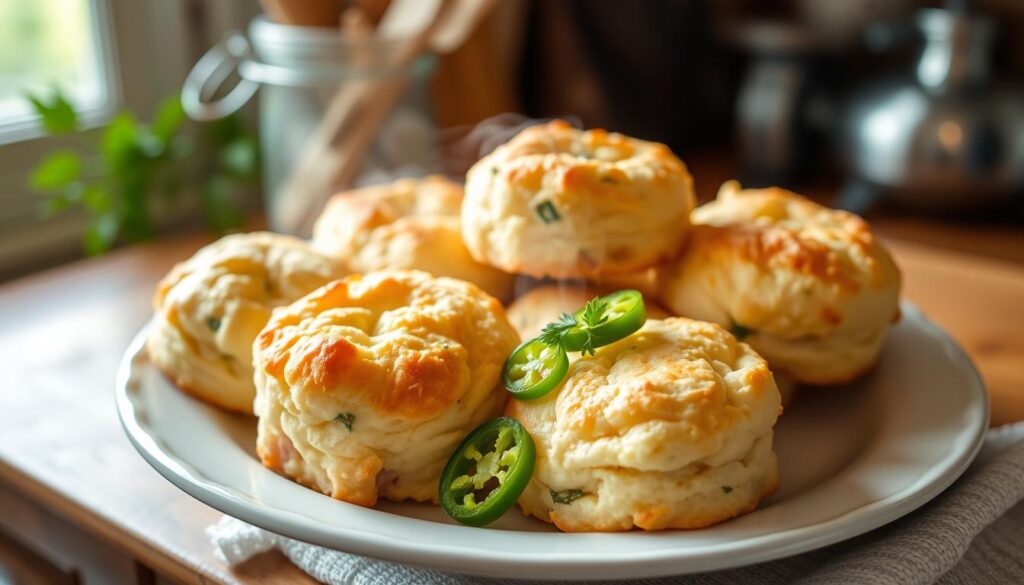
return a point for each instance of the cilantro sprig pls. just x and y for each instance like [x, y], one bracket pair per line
[553, 333]
[593, 315]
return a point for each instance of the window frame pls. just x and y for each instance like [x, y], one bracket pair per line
[28, 126]
[152, 45]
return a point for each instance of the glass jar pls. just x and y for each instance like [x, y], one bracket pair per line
[302, 73]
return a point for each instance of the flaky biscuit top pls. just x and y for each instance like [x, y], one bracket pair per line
[791, 231]
[350, 218]
[222, 296]
[563, 202]
[780, 263]
[674, 394]
[392, 343]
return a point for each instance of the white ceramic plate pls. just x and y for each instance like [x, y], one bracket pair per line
[852, 459]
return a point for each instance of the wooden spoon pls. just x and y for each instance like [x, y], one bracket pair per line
[338, 146]
[303, 12]
[335, 150]
[458, 22]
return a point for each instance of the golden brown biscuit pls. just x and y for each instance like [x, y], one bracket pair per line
[530, 312]
[670, 427]
[408, 224]
[349, 218]
[365, 387]
[561, 202]
[209, 309]
[645, 281]
[433, 244]
[808, 287]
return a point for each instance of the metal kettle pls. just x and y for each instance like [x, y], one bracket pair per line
[946, 137]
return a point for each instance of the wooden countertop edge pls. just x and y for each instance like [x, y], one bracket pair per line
[175, 566]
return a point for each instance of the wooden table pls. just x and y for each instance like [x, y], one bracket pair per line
[73, 490]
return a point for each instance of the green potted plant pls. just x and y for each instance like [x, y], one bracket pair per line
[137, 172]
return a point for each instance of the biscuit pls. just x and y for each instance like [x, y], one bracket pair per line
[209, 309]
[560, 202]
[365, 387]
[670, 427]
[645, 281]
[429, 243]
[408, 224]
[530, 312]
[809, 288]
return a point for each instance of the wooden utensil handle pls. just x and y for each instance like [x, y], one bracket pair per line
[335, 151]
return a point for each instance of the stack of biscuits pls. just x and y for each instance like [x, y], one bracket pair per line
[369, 352]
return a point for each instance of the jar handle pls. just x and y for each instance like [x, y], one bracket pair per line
[207, 76]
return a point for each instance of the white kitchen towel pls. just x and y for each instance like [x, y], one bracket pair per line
[972, 533]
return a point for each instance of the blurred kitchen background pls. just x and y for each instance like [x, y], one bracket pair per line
[911, 113]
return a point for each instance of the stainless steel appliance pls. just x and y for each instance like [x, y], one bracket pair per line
[946, 135]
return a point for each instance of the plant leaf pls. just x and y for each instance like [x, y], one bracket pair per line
[96, 199]
[56, 171]
[101, 233]
[150, 145]
[120, 143]
[168, 119]
[595, 312]
[56, 114]
[133, 203]
[225, 130]
[240, 158]
[61, 200]
[553, 333]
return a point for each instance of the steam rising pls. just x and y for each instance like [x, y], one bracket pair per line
[462, 146]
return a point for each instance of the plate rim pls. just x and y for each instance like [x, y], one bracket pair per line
[509, 563]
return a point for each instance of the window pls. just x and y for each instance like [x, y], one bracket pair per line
[105, 55]
[54, 43]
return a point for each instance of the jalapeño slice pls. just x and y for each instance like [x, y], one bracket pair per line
[488, 472]
[605, 320]
[534, 369]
